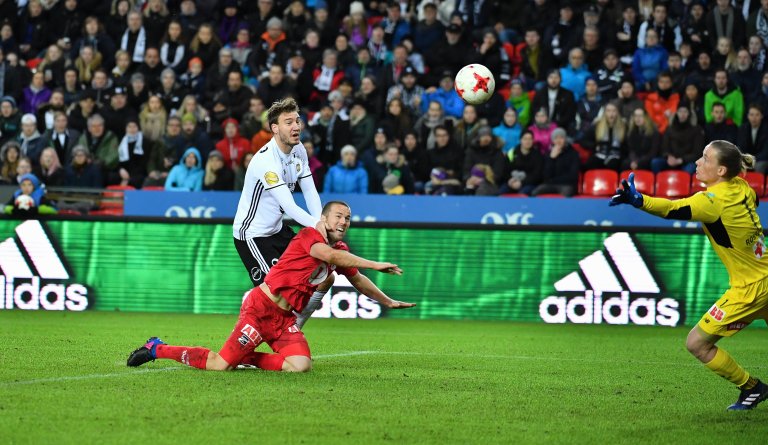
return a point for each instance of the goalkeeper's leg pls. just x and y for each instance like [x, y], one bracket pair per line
[314, 301]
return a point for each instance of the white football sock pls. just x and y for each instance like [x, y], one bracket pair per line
[314, 303]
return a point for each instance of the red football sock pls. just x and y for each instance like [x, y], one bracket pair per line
[265, 361]
[191, 356]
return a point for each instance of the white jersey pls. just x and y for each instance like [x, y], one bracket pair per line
[269, 181]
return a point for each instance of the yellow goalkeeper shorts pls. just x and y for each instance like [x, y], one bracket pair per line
[736, 309]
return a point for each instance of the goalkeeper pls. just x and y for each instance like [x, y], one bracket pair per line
[728, 212]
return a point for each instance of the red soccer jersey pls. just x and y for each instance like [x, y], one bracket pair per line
[297, 274]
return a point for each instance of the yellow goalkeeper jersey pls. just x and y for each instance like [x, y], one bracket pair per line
[728, 212]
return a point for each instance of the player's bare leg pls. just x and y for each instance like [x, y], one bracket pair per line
[703, 346]
[315, 301]
[297, 363]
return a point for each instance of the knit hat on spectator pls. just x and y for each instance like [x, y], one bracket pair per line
[10, 100]
[391, 185]
[348, 149]
[439, 173]
[215, 154]
[80, 149]
[484, 131]
[356, 8]
[195, 60]
[558, 132]
[188, 117]
[477, 172]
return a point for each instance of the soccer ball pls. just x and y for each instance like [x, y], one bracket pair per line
[24, 202]
[475, 84]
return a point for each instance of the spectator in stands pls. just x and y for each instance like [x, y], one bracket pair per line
[588, 108]
[416, 156]
[61, 137]
[526, 165]
[87, 62]
[519, 100]
[724, 57]
[134, 39]
[233, 101]
[703, 74]
[726, 93]
[276, 86]
[233, 146]
[362, 67]
[575, 73]
[694, 101]
[193, 80]
[50, 171]
[124, 68]
[561, 168]
[217, 76]
[195, 137]
[724, 21]
[32, 144]
[325, 78]
[205, 45]
[757, 23]
[662, 103]
[117, 114]
[170, 92]
[218, 175]
[676, 71]
[465, 129]
[446, 95]
[427, 31]
[348, 175]
[719, 128]
[10, 119]
[138, 94]
[7, 39]
[648, 62]
[535, 61]
[330, 130]
[485, 148]
[187, 176]
[362, 125]
[22, 168]
[35, 94]
[642, 142]
[30, 185]
[151, 68]
[85, 108]
[102, 142]
[190, 105]
[491, 54]
[591, 44]
[757, 51]
[173, 47]
[94, 37]
[407, 90]
[744, 75]
[753, 134]
[82, 172]
[251, 123]
[273, 48]
[260, 139]
[561, 35]
[173, 141]
[372, 95]
[398, 120]
[190, 20]
[52, 67]
[627, 101]
[610, 75]
[627, 35]
[445, 154]
[606, 140]
[448, 55]
[693, 28]
[45, 112]
[34, 29]
[542, 130]
[242, 168]
[395, 26]
[10, 153]
[391, 173]
[667, 32]
[72, 87]
[481, 181]
[556, 100]
[680, 145]
[441, 184]
[508, 130]
[117, 21]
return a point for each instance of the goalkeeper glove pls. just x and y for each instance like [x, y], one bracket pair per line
[628, 194]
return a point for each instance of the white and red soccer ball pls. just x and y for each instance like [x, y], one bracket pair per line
[475, 84]
[24, 202]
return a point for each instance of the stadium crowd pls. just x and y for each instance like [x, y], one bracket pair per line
[173, 93]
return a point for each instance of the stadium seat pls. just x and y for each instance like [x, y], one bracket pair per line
[600, 182]
[696, 185]
[153, 188]
[643, 180]
[756, 180]
[673, 184]
[121, 187]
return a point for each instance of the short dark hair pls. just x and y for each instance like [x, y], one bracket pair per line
[329, 204]
[756, 106]
[287, 105]
[718, 104]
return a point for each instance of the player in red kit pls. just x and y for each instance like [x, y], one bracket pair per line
[267, 314]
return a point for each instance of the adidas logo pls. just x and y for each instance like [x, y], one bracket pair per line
[20, 286]
[605, 290]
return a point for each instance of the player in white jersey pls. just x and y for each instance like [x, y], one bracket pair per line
[272, 176]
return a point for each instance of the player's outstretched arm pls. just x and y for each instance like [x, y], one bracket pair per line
[627, 193]
[296, 213]
[311, 197]
[370, 290]
[342, 258]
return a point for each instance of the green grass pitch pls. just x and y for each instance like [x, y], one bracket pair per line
[63, 379]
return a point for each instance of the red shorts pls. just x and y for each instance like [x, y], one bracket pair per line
[262, 321]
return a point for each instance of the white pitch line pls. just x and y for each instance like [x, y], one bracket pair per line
[352, 354]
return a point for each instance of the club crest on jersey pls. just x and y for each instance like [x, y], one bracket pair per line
[271, 178]
[298, 168]
[759, 248]
[717, 313]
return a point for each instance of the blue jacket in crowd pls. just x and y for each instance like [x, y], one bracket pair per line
[510, 135]
[183, 178]
[342, 179]
[450, 100]
[647, 64]
[574, 79]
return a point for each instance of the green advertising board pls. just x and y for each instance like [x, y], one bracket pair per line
[589, 276]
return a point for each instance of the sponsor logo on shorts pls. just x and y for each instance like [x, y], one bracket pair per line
[737, 326]
[250, 335]
[271, 178]
[759, 248]
[255, 274]
[717, 313]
